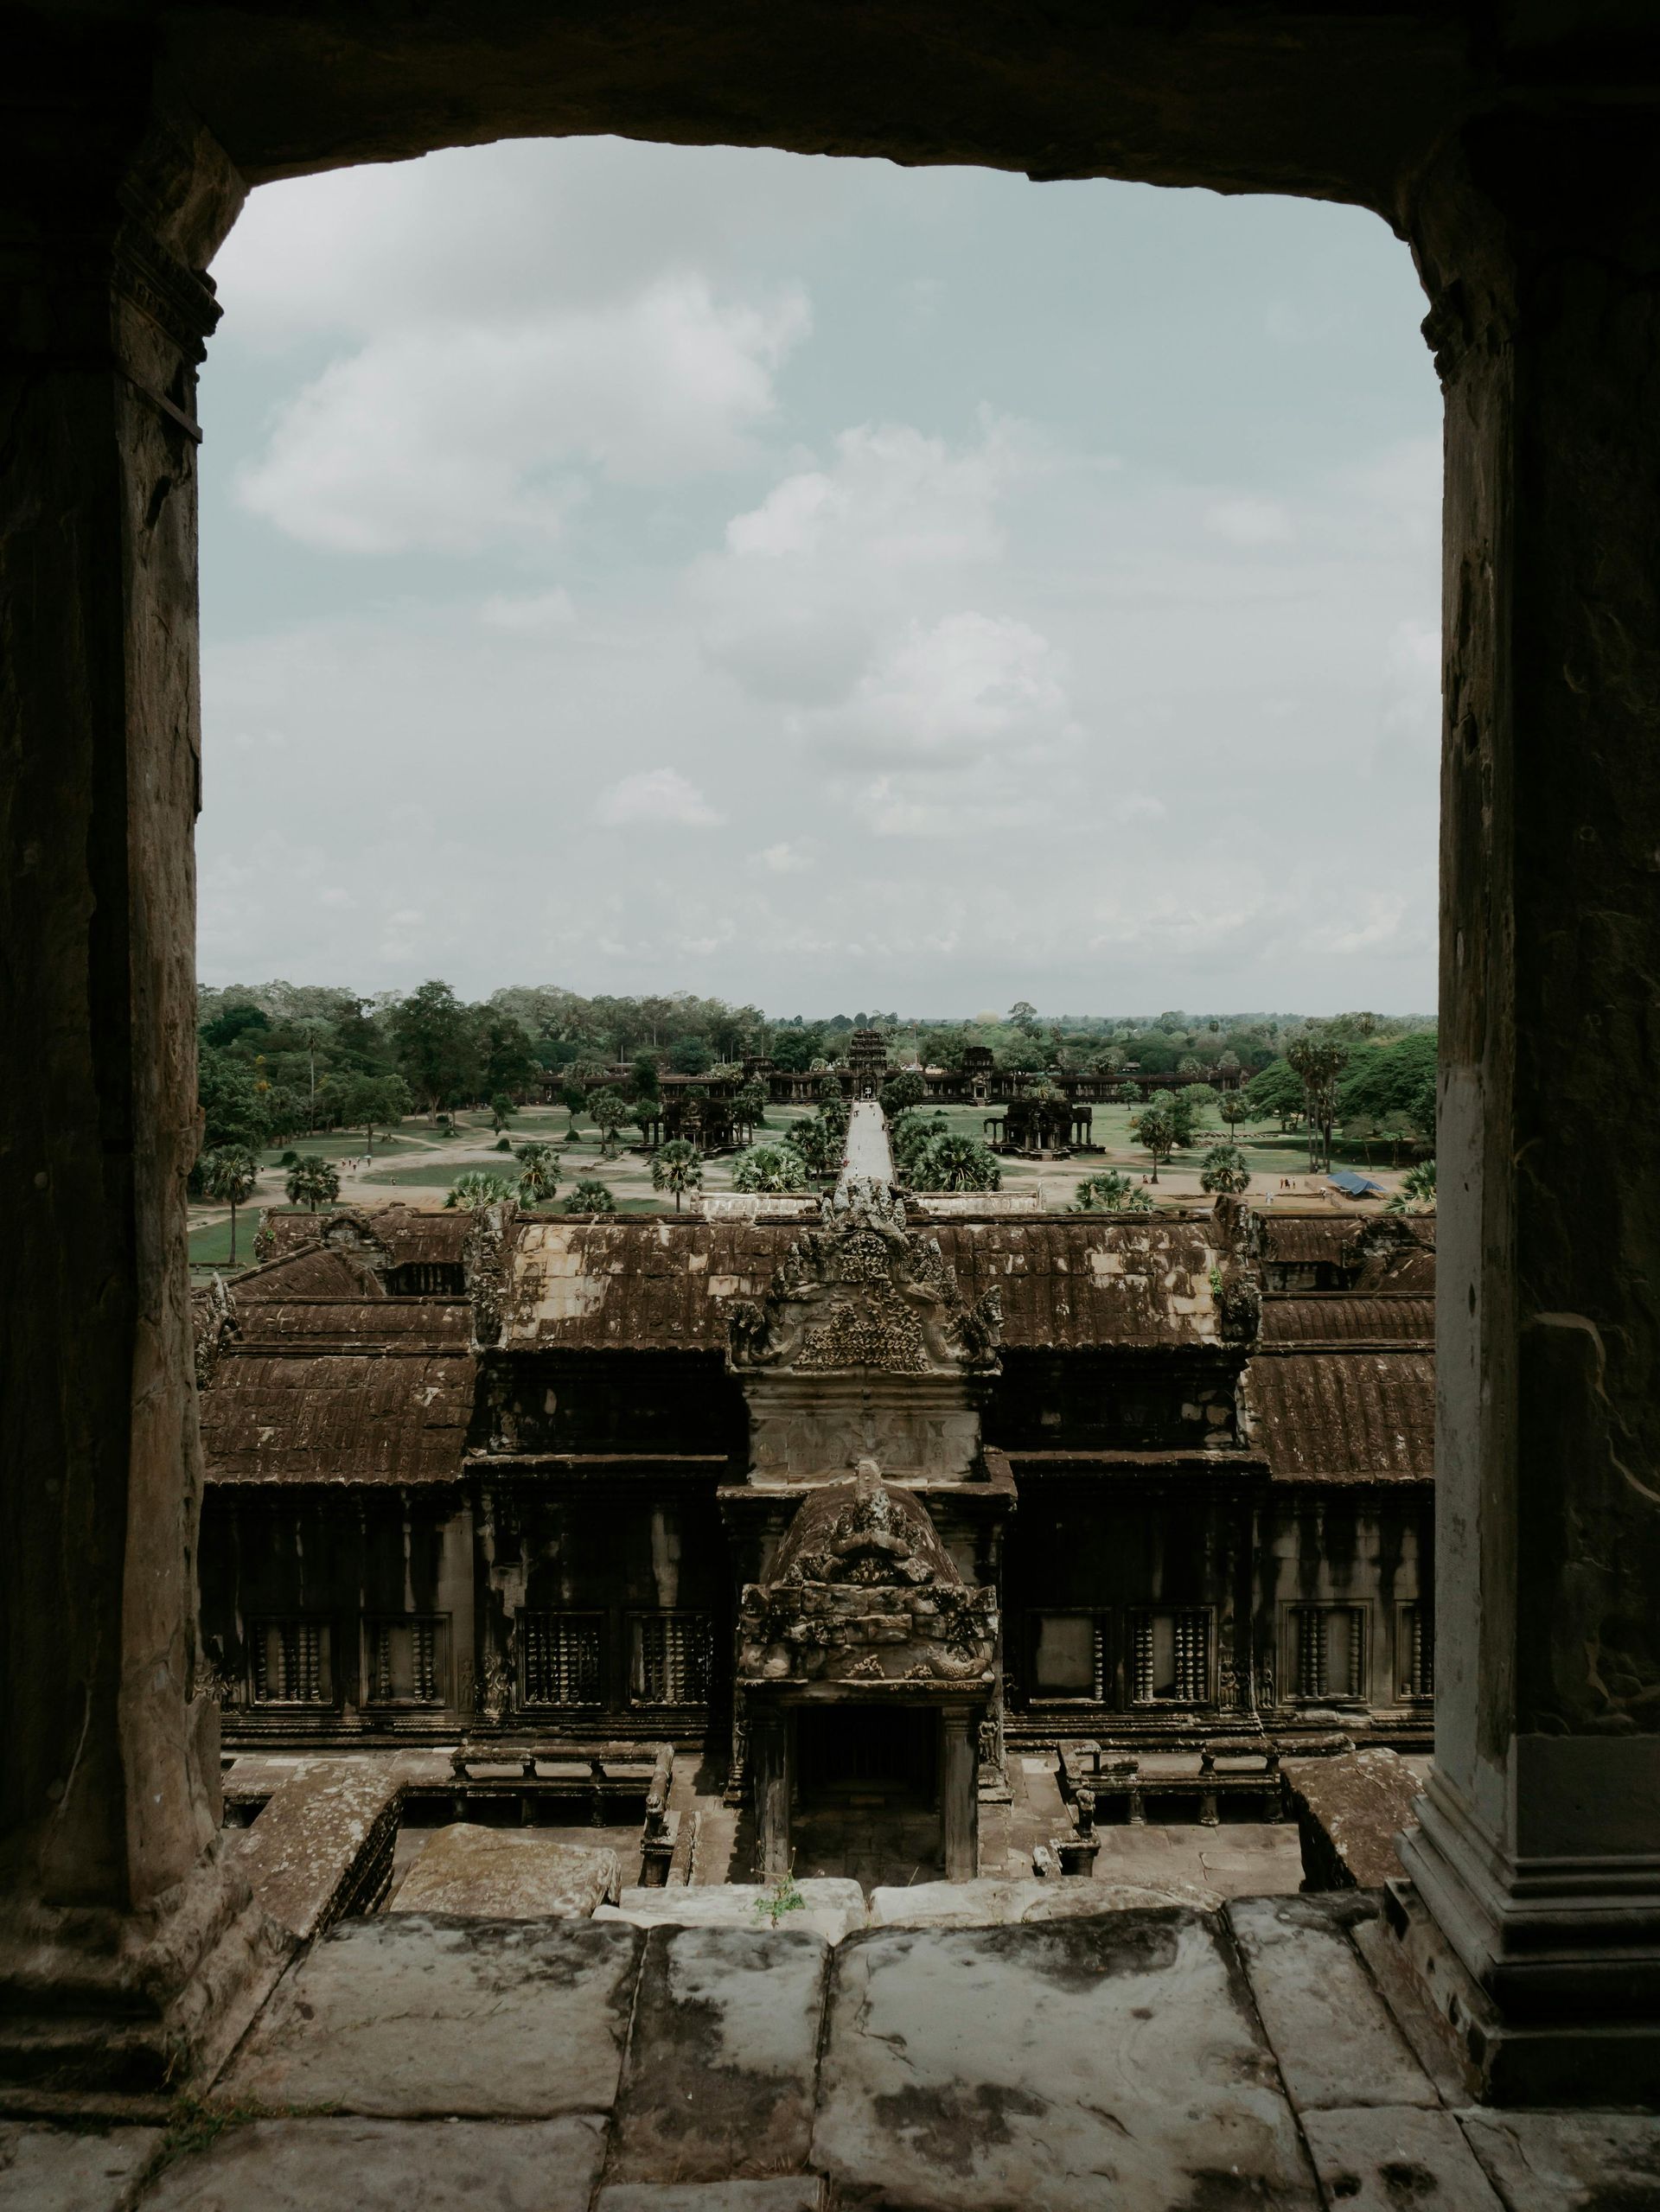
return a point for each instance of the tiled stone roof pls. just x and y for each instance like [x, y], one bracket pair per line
[1344, 1417]
[1065, 1281]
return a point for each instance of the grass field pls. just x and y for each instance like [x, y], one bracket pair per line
[211, 1246]
[419, 1168]
[334, 1144]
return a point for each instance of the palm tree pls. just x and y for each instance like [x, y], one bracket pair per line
[1317, 1065]
[538, 1173]
[591, 1196]
[608, 1110]
[817, 1143]
[956, 1163]
[1111, 1193]
[1417, 1191]
[1155, 1125]
[313, 1182]
[749, 1106]
[768, 1168]
[229, 1175]
[679, 1167]
[478, 1188]
[1224, 1170]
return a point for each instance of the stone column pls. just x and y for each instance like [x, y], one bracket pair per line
[960, 1794]
[109, 1804]
[770, 1770]
[1539, 1854]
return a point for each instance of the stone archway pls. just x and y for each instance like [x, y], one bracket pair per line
[1515, 153]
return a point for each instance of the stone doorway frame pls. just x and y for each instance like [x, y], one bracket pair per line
[1516, 154]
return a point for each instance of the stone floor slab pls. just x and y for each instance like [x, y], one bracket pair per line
[801, 2193]
[831, 1907]
[1372, 2158]
[404, 2017]
[381, 2165]
[1078, 2065]
[1332, 2034]
[723, 2057]
[1570, 2162]
[58, 2170]
[989, 1903]
[507, 1874]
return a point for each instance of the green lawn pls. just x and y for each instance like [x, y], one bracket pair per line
[438, 1175]
[337, 1145]
[211, 1246]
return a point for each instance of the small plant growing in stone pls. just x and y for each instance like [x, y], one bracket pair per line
[781, 1897]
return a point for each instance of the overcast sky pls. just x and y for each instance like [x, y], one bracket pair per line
[821, 583]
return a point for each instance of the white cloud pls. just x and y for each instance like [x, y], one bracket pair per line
[457, 437]
[955, 718]
[967, 688]
[655, 796]
[530, 613]
[781, 859]
[1249, 521]
[1412, 682]
[472, 234]
[892, 496]
[813, 580]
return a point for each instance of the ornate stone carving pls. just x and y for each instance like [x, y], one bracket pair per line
[1237, 1295]
[488, 1262]
[862, 1292]
[864, 1591]
[496, 1700]
[213, 1327]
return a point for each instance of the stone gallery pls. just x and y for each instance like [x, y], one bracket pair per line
[853, 1499]
[1416, 2038]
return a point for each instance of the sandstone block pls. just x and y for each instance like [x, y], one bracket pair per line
[990, 1903]
[507, 1874]
[380, 2165]
[798, 2193]
[1378, 2159]
[1079, 2065]
[1349, 1809]
[55, 2170]
[720, 2074]
[834, 1907]
[1331, 2032]
[405, 2017]
[1567, 2161]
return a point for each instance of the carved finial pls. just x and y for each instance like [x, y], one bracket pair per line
[867, 1477]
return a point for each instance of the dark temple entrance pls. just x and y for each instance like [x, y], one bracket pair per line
[866, 1788]
[867, 1755]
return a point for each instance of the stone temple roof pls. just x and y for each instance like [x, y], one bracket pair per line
[1344, 1417]
[354, 1389]
[313, 1375]
[1338, 1317]
[1065, 1281]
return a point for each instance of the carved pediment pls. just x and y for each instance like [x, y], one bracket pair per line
[862, 1291]
[862, 1591]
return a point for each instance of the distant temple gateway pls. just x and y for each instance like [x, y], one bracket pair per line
[856, 1503]
[1044, 1113]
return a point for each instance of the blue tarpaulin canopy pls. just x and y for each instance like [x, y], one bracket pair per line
[1355, 1186]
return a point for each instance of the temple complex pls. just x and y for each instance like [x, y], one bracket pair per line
[1046, 1112]
[859, 1504]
